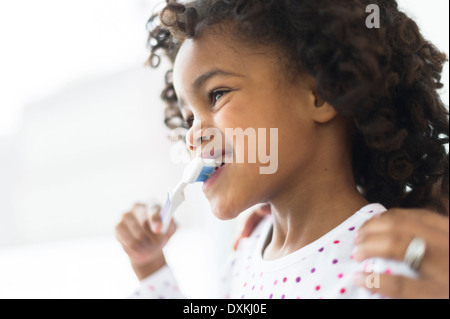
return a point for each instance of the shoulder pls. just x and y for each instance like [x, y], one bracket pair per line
[370, 211]
[372, 268]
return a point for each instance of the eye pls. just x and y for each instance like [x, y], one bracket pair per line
[216, 95]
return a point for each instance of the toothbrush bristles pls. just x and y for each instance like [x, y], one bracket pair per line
[205, 174]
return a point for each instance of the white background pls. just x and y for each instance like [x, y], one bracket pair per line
[82, 139]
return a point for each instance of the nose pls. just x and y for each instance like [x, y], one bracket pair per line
[194, 136]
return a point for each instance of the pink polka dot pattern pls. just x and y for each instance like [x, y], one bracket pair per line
[324, 269]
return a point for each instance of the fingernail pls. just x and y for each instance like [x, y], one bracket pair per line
[359, 279]
[156, 227]
[154, 208]
[357, 238]
[356, 253]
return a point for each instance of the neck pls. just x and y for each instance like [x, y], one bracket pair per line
[311, 206]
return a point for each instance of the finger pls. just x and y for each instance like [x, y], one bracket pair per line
[251, 223]
[254, 219]
[264, 210]
[398, 227]
[160, 239]
[127, 240]
[390, 245]
[122, 234]
[407, 218]
[155, 219]
[140, 211]
[393, 245]
[171, 230]
[136, 229]
[400, 287]
[155, 227]
[430, 218]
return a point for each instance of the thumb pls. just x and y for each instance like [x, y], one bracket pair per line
[155, 219]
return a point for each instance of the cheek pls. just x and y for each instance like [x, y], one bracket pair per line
[244, 189]
[285, 153]
[296, 149]
[240, 124]
[244, 186]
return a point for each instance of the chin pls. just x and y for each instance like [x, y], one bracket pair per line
[227, 199]
[229, 208]
[224, 209]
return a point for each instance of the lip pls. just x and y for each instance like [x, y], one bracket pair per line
[222, 157]
[213, 178]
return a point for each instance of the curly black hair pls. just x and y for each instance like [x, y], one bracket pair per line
[386, 79]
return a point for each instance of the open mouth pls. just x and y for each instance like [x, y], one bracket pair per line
[223, 158]
[214, 176]
[217, 168]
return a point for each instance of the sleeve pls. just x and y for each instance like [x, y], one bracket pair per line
[163, 285]
[160, 285]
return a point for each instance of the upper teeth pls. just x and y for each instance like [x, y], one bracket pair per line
[220, 166]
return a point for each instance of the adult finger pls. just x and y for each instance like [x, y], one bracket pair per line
[381, 244]
[252, 222]
[396, 218]
[398, 232]
[393, 245]
[401, 287]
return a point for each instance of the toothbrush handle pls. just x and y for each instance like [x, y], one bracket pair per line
[174, 199]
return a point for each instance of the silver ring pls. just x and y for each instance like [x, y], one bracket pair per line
[415, 253]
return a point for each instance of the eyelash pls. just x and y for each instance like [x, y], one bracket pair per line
[190, 121]
[212, 94]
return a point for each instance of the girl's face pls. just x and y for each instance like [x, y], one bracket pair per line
[224, 86]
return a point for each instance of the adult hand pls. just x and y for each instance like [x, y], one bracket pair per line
[139, 233]
[389, 235]
[252, 221]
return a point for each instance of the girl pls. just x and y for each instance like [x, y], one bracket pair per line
[361, 128]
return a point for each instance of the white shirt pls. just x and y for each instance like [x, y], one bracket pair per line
[322, 269]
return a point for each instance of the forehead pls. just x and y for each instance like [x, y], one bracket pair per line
[197, 56]
[214, 51]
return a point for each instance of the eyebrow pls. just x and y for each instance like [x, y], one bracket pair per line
[202, 79]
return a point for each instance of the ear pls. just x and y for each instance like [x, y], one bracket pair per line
[323, 111]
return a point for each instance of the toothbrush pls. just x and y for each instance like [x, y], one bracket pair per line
[197, 171]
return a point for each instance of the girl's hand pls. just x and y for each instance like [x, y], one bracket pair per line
[139, 233]
[389, 235]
